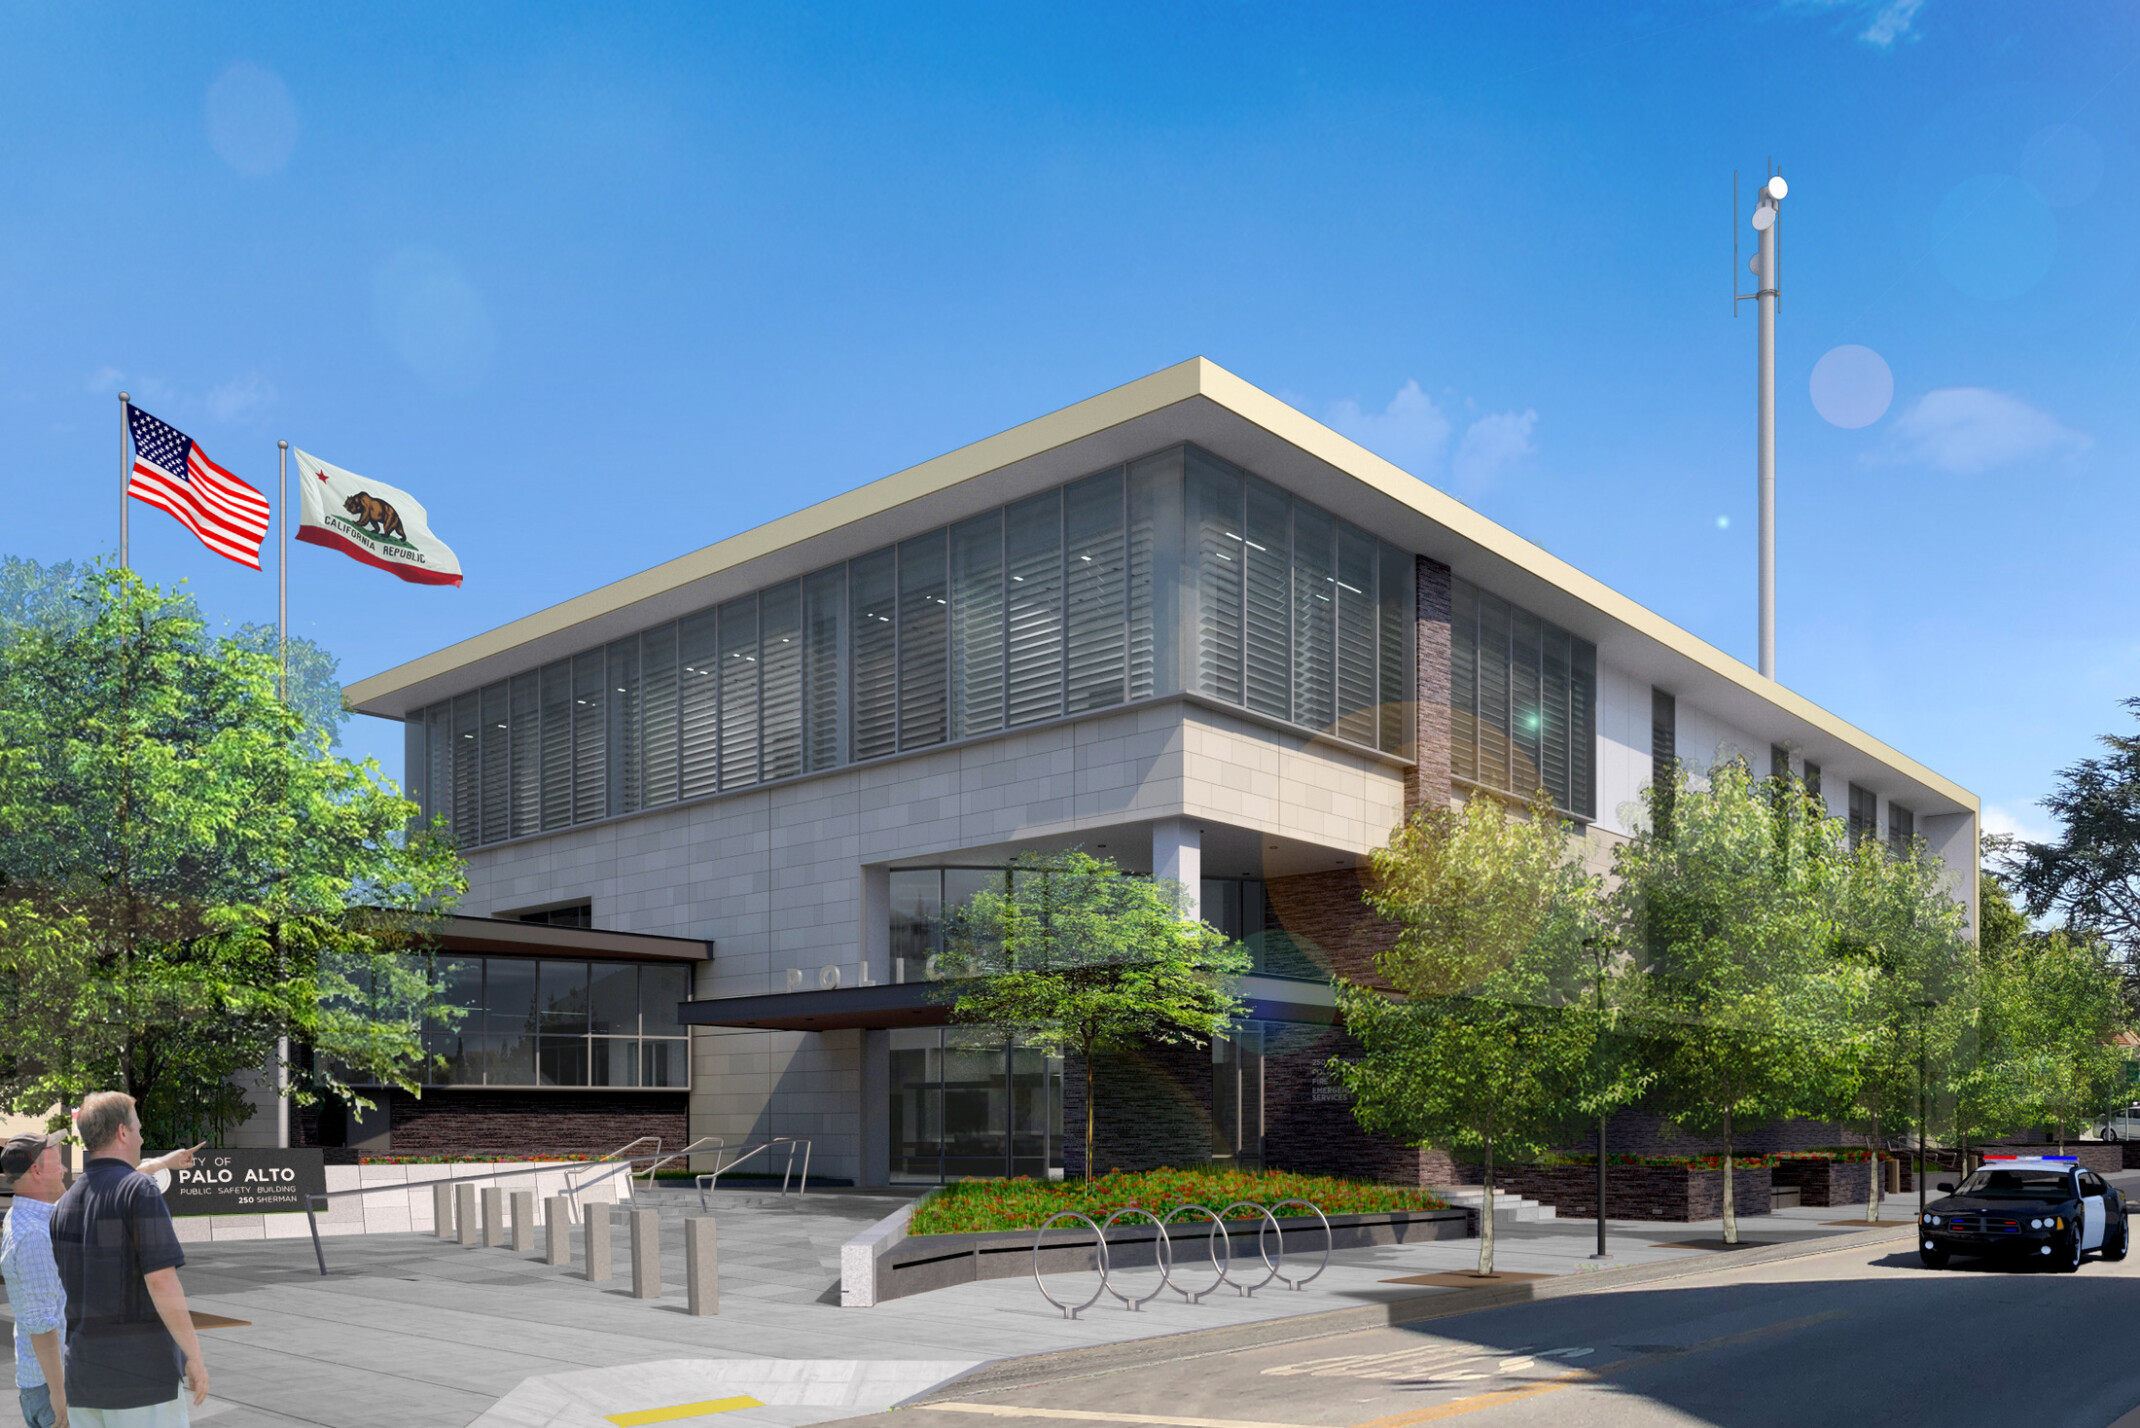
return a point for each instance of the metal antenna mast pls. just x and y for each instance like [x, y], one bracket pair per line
[1767, 296]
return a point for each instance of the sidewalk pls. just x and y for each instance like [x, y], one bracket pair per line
[414, 1332]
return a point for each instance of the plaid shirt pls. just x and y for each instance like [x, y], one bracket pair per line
[33, 1288]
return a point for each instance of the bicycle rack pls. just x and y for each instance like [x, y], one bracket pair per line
[1289, 1281]
[1099, 1244]
[1162, 1256]
[1163, 1252]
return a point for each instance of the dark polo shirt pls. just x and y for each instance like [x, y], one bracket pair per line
[109, 1231]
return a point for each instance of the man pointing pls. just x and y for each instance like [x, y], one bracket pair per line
[130, 1341]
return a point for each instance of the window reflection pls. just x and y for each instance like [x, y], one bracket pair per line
[965, 1104]
[525, 1021]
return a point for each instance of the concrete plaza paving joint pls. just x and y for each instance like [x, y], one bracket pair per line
[411, 1331]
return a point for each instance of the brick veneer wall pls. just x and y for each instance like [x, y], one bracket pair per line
[1428, 779]
[1827, 1182]
[1154, 1109]
[448, 1121]
[1307, 1118]
[1637, 1192]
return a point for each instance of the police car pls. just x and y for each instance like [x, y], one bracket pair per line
[2042, 1208]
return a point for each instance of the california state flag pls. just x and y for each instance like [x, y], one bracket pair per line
[372, 522]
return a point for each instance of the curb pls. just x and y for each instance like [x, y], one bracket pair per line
[1059, 1365]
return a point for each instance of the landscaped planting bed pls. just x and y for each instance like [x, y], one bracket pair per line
[980, 1206]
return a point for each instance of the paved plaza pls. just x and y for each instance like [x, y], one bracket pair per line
[414, 1332]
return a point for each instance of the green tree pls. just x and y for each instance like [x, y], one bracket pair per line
[2089, 875]
[2049, 1008]
[1078, 956]
[187, 875]
[1897, 921]
[1489, 1045]
[1726, 907]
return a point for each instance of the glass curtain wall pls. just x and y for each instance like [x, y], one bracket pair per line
[1298, 615]
[965, 1104]
[1060, 604]
[1523, 702]
[539, 1022]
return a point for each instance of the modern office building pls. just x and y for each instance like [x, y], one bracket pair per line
[1180, 625]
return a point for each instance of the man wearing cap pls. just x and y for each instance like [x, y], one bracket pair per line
[32, 1162]
[33, 1292]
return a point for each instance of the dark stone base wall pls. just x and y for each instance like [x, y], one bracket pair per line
[1153, 1108]
[474, 1122]
[1635, 1192]
[1827, 1182]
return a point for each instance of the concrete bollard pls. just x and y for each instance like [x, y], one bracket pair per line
[595, 1222]
[442, 1210]
[523, 1220]
[557, 1231]
[702, 1284]
[493, 1216]
[464, 1214]
[646, 1254]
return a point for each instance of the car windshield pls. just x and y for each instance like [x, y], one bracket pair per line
[2018, 1185]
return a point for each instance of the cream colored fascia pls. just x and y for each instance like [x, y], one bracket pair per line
[1125, 403]
[1297, 428]
[1197, 377]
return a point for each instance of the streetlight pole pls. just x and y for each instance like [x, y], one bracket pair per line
[1924, 1014]
[1597, 951]
[1767, 293]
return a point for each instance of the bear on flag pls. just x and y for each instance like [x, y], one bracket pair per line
[372, 522]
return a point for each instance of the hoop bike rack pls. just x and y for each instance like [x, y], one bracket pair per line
[1219, 1243]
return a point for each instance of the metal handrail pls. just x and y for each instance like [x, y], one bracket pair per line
[573, 1185]
[713, 1181]
[704, 1140]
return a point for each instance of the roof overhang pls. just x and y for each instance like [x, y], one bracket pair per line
[929, 1004]
[1198, 402]
[499, 938]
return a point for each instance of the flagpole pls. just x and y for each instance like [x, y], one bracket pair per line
[126, 475]
[282, 566]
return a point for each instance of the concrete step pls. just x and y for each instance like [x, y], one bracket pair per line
[1509, 1209]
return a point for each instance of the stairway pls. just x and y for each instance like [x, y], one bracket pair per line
[1509, 1209]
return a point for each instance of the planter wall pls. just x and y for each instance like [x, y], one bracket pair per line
[1827, 1182]
[1637, 1192]
[884, 1262]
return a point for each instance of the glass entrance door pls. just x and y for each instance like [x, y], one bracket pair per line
[964, 1105]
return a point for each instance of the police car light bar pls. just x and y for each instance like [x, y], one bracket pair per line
[2072, 1158]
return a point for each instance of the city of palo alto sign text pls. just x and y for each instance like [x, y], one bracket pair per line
[246, 1182]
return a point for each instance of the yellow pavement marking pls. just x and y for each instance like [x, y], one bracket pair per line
[1578, 1376]
[684, 1410]
[1166, 1420]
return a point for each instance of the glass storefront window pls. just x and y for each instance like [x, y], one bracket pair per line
[527, 1021]
[964, 1104]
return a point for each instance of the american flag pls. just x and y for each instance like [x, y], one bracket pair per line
[173, 473]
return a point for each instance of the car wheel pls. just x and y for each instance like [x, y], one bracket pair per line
[1933, 1258]
[2066, 1257]
[2110, 1135]
[2116, 1240]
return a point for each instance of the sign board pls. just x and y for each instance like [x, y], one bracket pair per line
[245, 1182]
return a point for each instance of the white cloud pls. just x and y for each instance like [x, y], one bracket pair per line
[2030, 825]
[1886, 21]
[106, 380]
[1492, 444]
[240, 397]
[1411, 430]
[1970, 430]
[1891, 22]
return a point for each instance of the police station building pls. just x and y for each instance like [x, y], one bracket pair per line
[1179, 625]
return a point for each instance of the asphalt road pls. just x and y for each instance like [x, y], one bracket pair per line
[1860, 1337]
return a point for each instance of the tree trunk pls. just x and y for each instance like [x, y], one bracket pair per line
[1731, 1217]
[1872, 1197]
[1486, 1216]
[1088, 1113]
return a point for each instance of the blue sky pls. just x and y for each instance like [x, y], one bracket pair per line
[605, 285]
